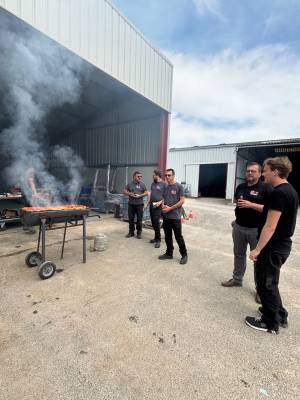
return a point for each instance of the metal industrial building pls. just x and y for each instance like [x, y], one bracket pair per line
[215, 171]
[122, 116]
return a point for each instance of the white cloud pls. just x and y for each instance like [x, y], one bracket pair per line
[236, 98]
[204, 6]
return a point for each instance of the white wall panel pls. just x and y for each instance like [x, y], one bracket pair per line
[182, 159]
[230, 180]
[192, 177]
[97, 32]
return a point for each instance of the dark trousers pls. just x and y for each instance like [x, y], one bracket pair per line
[170, 225]
[135, 210]
[267, 268]
[155, 214]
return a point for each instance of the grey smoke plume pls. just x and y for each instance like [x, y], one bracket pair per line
[36, 76]
[66, 158]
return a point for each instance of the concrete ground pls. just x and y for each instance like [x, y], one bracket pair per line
[128, 326]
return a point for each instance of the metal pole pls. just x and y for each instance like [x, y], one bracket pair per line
[63, 245]
[126, 177]
[43, 222]
[107, 178]
[84, 238]
[39, 240]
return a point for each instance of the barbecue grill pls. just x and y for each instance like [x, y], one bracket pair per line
[70, 216]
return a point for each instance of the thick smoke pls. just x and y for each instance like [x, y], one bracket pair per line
[66, 158]
[36, 76]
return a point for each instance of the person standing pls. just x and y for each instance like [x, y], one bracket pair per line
[250, 198]
[274, 245]
[136, 191]
[173, 199]
[155, 205]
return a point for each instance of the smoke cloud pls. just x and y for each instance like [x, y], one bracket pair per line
[36, 77]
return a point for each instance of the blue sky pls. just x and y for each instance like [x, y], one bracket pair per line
[238, 60]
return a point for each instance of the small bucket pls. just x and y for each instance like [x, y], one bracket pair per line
[100, 242]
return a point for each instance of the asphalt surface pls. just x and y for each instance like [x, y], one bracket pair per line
[128, 326]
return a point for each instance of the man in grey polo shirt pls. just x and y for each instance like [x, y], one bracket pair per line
[136, 191]
[173, 199]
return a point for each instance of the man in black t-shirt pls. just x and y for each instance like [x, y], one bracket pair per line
[136, 191]
[250, 198]
[155, 204]
[274, 244]
[173, 199]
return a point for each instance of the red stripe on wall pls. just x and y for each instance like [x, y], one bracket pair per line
[163, 146]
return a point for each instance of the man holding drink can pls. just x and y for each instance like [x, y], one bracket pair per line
[250, 198]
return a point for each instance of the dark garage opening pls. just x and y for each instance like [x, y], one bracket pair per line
[259, 154]
[212, 180]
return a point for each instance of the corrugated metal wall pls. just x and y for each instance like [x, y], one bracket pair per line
[129, 143]
[186, 164]
[97, 32]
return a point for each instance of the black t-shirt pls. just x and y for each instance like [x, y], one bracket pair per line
[157, 189]
[283, 198]
[258, 193]
[138, 188]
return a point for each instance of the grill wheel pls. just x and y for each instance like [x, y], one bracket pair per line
[33, 259]
[47, 269]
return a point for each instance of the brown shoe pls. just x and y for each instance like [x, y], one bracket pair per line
[231, 283]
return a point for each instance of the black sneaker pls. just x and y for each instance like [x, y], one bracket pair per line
[152, 241]
[258, 324]
[157, 245]
[130, 234]
[165, 257]
[184, 259]
[283, 323]
[139, 235]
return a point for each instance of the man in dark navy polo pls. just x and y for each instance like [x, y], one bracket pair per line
[173, 199]
[155, 204]
[136, 191]
[250, 198]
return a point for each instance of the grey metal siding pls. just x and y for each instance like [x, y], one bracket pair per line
[97, 32]
[130, 143]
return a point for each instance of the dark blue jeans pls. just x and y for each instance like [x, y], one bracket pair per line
[135, 210]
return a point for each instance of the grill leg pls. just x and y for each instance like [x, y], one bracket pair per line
[43, 226]
[39, 240]
[63, 245]
[84, 238]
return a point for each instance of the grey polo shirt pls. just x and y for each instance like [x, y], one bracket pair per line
[171, 195]
[138, 188]
[157, 190]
